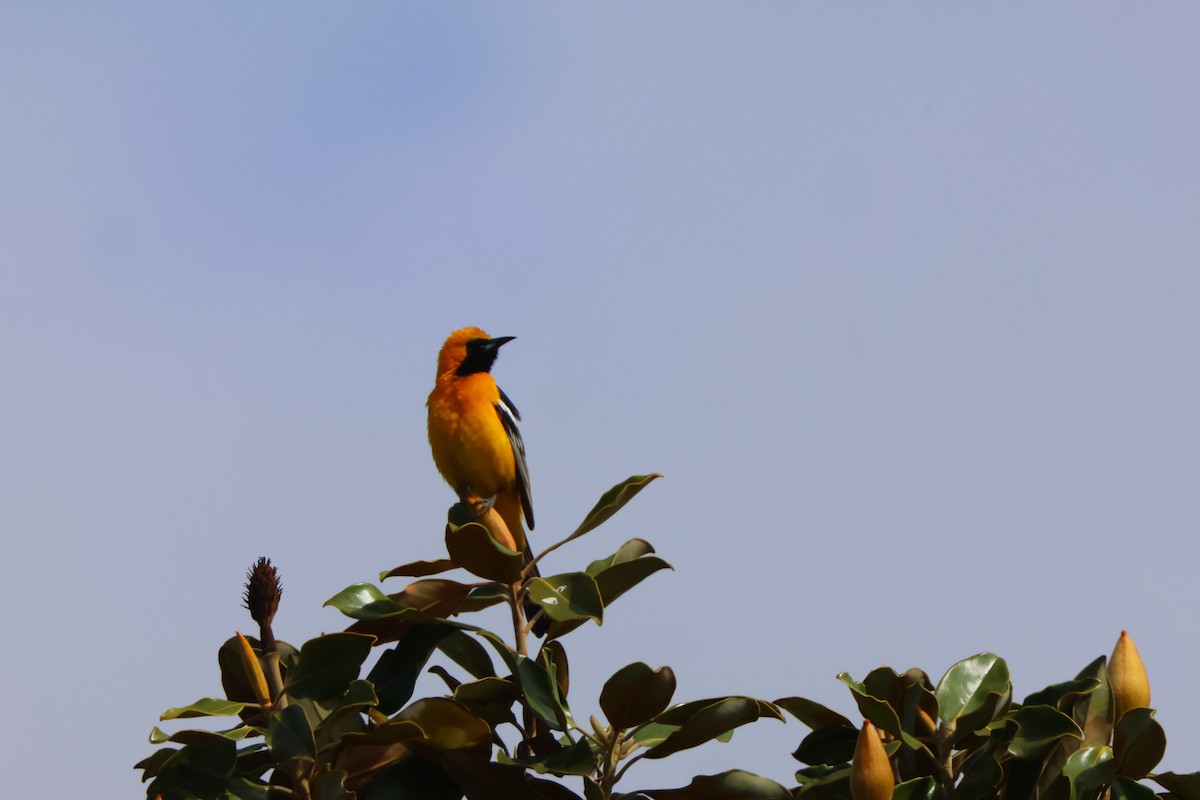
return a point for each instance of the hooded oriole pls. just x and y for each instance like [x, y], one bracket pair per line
[473, 430]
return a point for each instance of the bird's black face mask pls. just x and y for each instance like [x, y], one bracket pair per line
[481, 355]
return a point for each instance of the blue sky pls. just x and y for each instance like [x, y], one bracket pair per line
[903, 301]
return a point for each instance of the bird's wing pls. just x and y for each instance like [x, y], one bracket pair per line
[508, 418]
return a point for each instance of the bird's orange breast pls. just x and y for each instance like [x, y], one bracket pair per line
[470, 446]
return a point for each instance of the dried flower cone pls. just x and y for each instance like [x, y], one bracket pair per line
[1127, 674]
[870, 773]
[263, 591]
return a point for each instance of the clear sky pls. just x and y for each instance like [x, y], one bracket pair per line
[904, 301]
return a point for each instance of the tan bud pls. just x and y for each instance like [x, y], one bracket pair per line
[254, 671]
[1127, 675]
[870, 773]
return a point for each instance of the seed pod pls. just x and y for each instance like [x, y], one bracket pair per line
[262, 591]
[1127, 674]
[871, 773]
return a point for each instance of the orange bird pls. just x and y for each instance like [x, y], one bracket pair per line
[473, 430]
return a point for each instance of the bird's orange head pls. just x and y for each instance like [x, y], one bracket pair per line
[468, 351]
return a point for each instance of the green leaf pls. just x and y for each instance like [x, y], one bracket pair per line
[636, 693]
[578, 759]
[1128, 789]
[966, 685]
[879, 712]
[159, 736]
[608, 504]
[543, 696]
[630, 551]
[206, 707]
[1185, 786]
[1095, 712]
[449, 725]
[364, 601]
[735, 784]
[812, 713]
[982, 776]
[330, 784]
[468, 653]
[473, 548]
[1089, 769]
[653, 733]
[490, 699]
[327, 665]
[395, 673]
[290, 735]
[1055, 694]
[1041, 727]
[613, 582]
[831, 744]
[1138, 743]
[419, 569]
[202, 770]
[573, 595]
[709, 721]
[916, 789]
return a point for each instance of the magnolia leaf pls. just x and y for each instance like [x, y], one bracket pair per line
[290, 734]
[327, 665]
[1040, 728]
[1090, 768]
[608, 504]
[419, 569]
[710, 721]
[966, 685]
[735, 784]
[812, 713]
[1138, 743]
[472, 547]
[636, 693]
[206, 707]
[573, 595]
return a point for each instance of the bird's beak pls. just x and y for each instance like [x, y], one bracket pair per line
[494, 344]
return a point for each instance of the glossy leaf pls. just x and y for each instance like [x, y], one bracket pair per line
[1055, 694]
[636, 693]
[879, 712]
[577, 759]
[1089, 768]
[395, 673]
[630, 551]
[330, 785]
[1096, 712]
[1138, 743]
[327, 665]
[1040, 728]
[608, 504]
[1185, 786]
[290, 735]
[449, 725]
[812, 713]
[419, 569]
[202, 770]
[966, 685]
[709, 722]
[653, 733]
[542, 693]
[1129, 789]
[478, 777]
[472, 547]
[735, 784]
[831, 744]
[916, 789]
[468, 653]
[490, 699]
[613, 582]
[205, 707]
[573, 595]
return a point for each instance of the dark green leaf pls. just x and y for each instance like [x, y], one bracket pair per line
[608, 504]
[419, 569]
[396, 672]
[1089, 769]
[159, 736]
[468, 653]
[710, 722]
[290, 735]
[630, 551]
[413, 779]
[1041, 727]
[1095, 712]
[573, 595]
[879, 712]
[578, 759]
[1054, 695]
[1128, 789]
[812, 713]
[542, 693]
[480, 778]
[330, 785]
[966, 685]
[614, 582]
[636, 693]
[449, 725]
[735, 784]
[490, 699]
[982, 776]
[1185, 786]
[473, 548]
[916, 789]
[831, 744]
[327, 665]
[653, 733]
[1138, 743]
[203, 770]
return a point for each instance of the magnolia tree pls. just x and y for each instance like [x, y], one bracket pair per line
[308, 724]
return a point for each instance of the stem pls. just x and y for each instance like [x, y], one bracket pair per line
[945, 746]
[270, 657]
[518, 613]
